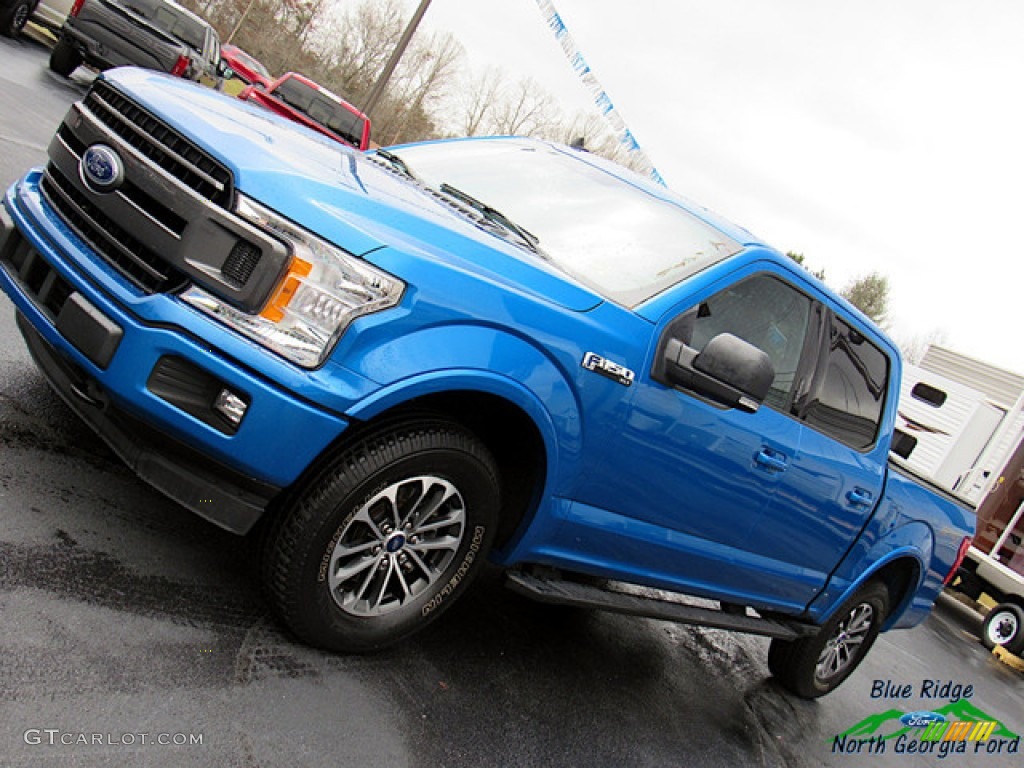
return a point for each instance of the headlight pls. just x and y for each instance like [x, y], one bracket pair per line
[324, 291]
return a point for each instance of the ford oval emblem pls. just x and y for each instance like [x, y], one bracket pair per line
[921, 719]
[101, 169]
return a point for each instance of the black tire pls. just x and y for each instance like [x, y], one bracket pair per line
[13, 20]
[1004, 625]
[384, 538]
[64, 58]
[813, 666]
[969, 584]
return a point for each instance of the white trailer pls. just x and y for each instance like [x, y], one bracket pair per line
[961, 425]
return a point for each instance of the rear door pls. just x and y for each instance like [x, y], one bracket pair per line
[831, 485]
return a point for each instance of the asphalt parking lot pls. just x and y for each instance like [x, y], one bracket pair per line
[134, 633]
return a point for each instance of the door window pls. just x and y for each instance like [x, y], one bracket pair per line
[766, 312]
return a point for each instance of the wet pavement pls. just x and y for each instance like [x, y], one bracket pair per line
[128, 622]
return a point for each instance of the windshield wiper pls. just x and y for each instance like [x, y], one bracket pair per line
[396, 162]
[494, 216]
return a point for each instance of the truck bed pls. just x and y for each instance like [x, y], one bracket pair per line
[125, 38]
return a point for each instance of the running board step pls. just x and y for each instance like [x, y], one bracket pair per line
[552, 589]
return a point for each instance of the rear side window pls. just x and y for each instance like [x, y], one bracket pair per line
[254, 65]
[182, 27]
[850, 388]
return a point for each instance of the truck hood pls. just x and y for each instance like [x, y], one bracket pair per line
[338, 192]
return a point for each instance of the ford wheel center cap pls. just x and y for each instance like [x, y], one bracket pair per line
[101, 169]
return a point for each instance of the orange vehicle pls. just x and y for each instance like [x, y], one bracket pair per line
[300, 99]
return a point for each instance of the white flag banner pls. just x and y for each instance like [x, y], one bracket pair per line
[601, 98]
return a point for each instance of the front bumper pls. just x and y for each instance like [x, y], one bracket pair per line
[145, 384]
[221, 495]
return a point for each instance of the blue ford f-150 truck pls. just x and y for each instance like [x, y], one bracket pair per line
[410, 361]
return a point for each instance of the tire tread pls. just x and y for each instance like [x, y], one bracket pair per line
[792, 662]
[283, 553]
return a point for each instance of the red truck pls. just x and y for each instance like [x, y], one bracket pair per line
[300, 99]
[246, 67]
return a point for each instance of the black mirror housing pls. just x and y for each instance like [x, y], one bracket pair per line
[728, 370]
[732, 360]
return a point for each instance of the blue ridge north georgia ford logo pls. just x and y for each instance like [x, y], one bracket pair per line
[101, 169]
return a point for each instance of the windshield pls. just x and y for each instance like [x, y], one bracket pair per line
[321, 108]
[252, 64]
[609, 233]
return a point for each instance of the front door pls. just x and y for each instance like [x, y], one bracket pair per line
[714, 472]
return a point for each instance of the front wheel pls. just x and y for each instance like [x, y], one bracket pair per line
[13, 20]
[385, 538]
[1004, 626]
[813, 666]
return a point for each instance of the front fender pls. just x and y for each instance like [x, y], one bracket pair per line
[460, 357]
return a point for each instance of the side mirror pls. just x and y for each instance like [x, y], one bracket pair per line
[728, 370]
[224, 70]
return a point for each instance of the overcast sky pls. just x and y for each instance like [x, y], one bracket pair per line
[870, 136]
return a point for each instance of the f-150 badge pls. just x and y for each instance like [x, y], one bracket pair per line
[617, 373]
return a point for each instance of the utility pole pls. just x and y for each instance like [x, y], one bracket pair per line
[241, 19]
[389, 68]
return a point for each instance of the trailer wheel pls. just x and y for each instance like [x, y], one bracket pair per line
[813, 666]
[1004, 626]
[384, 538]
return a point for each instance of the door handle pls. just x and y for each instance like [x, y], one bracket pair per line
[858, 497]
[768, 459]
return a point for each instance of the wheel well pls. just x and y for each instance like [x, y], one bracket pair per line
[1014, 599]
[900, 578]
[509, 434]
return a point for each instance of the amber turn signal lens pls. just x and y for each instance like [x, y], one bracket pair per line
[274, 311]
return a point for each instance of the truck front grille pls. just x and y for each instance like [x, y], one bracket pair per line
[119, 248]
[166, 218]
[161, 144]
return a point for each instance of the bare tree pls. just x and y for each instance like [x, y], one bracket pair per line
[302, 16]
[523, 110]
[915, 346]
[417, 85]
[478, 101]
[356, 43]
